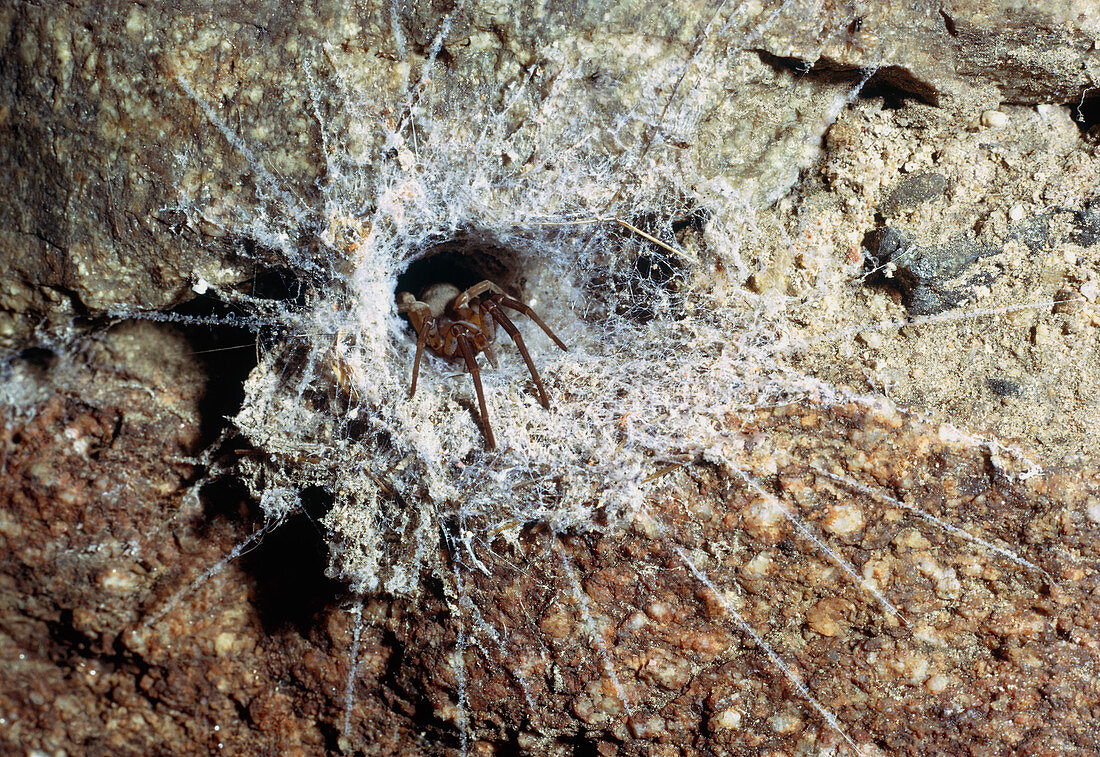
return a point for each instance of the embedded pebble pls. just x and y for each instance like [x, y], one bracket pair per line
[994, 119]
[1092, 509]
[758, 567]
[726, 719]
[827, 616]
[843, 519]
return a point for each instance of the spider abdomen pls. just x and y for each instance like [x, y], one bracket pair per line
[439, 297]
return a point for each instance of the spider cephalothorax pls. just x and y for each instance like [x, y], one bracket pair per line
[456, 324]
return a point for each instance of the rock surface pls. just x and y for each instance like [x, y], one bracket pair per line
[162, 152]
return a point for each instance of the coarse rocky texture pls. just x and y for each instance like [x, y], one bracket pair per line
[1000, 235]
[99, 524]
[989, 654]
[127, 195]
[100, 538]
[124, 195]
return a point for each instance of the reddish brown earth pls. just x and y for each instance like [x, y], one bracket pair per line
[102, 527]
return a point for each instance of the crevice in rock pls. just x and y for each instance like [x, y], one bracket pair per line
[895, 84]
[1086, 113]
[288, 567]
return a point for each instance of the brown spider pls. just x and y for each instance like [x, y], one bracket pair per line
[453, 323]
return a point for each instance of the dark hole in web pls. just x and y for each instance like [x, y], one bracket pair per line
[1086, 114]
[894, 84]
[228, 342]
[281, 284]
[289, 564]
[41, 359]
[462, 263]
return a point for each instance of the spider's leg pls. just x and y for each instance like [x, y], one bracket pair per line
[477, 290]
[491, 354]
[513, 332]
[508, 302]
[471, 364]
[421, 338]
